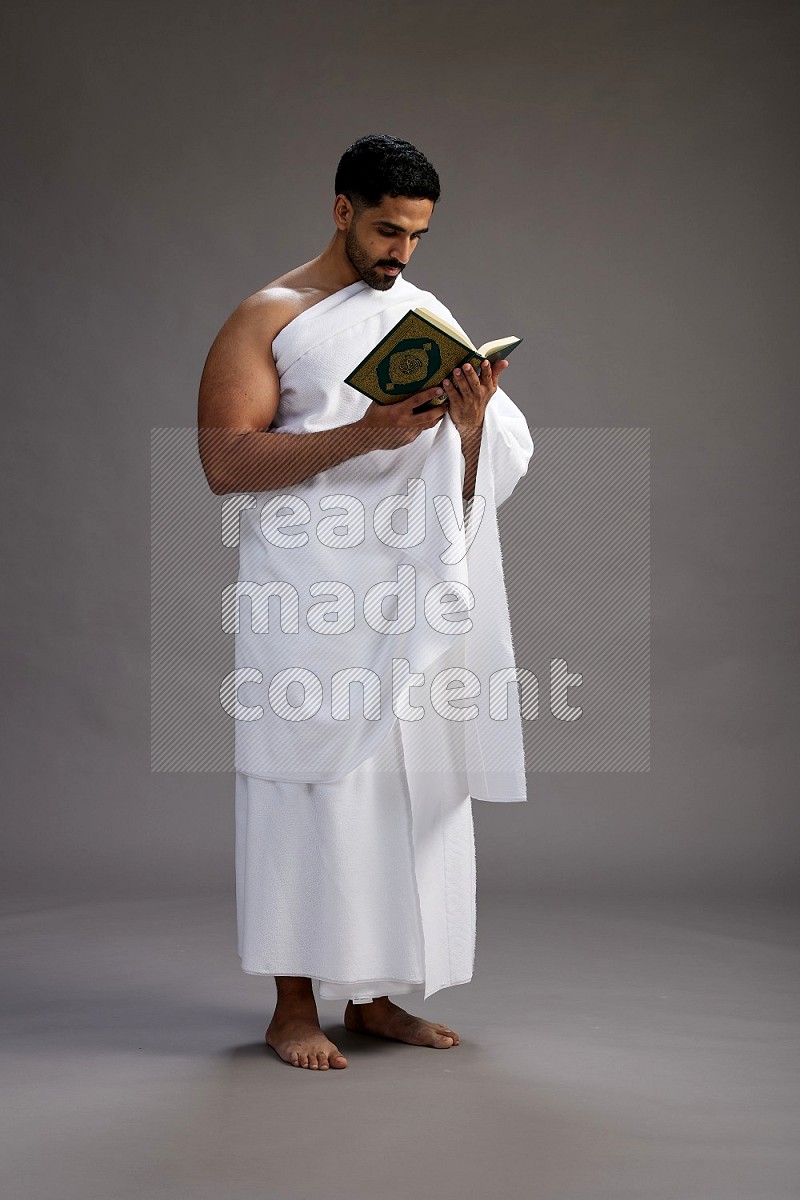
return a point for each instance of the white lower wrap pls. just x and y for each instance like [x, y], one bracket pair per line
[366, 884]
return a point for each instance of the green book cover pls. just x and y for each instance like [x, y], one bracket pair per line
[419, 353]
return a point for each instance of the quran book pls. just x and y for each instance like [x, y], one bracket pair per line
[417, 353]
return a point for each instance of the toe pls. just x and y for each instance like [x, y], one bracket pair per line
[452, 1034]
[442, 1040]
[322, 1061]
[448, 1032]
[337, 1060]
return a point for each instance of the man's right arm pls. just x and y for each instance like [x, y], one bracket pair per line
[239, 397]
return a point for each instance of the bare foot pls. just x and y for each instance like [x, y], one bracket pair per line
[382, 1018]
[300, 1041]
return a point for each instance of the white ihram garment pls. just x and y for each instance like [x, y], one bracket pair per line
[354, 839]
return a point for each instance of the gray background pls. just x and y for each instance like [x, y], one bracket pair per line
[619, 184]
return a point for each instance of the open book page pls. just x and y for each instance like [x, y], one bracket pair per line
[440, 323]
[485, 351]
[490, 348]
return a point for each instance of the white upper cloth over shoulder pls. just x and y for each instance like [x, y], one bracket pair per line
[354, 583]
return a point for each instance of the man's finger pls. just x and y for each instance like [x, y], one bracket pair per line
[431, 393]
[472, 379]
[460, 381]
[425, 403]
[461, 389]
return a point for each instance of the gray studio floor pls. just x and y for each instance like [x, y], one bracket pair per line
[609, 1050]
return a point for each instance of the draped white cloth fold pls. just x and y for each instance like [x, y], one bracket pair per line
[364, 884]
[368, 565]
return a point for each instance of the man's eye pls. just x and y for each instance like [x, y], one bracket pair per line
[391, 232]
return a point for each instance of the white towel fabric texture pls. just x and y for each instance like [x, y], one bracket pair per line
[355, 857]
[332, 536]
[358, 883]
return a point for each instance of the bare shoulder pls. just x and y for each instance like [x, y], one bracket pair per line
[272, 307]
[265, 313]
[239, 382]
[248, 333]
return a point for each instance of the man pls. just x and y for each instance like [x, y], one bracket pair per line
[354, 837]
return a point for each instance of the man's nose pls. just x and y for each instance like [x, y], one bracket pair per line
[402, 250]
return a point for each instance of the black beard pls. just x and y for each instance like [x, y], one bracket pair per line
[374, 276]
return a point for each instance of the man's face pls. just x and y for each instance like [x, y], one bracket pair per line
[386, 237]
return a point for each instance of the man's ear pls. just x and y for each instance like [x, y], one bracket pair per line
[342, 212]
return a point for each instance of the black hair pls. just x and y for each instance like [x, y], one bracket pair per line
[380, 165]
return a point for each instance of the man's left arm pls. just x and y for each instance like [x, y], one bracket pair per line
[468, 392]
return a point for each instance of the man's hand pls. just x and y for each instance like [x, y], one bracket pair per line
[468, 393]
[397, 424]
